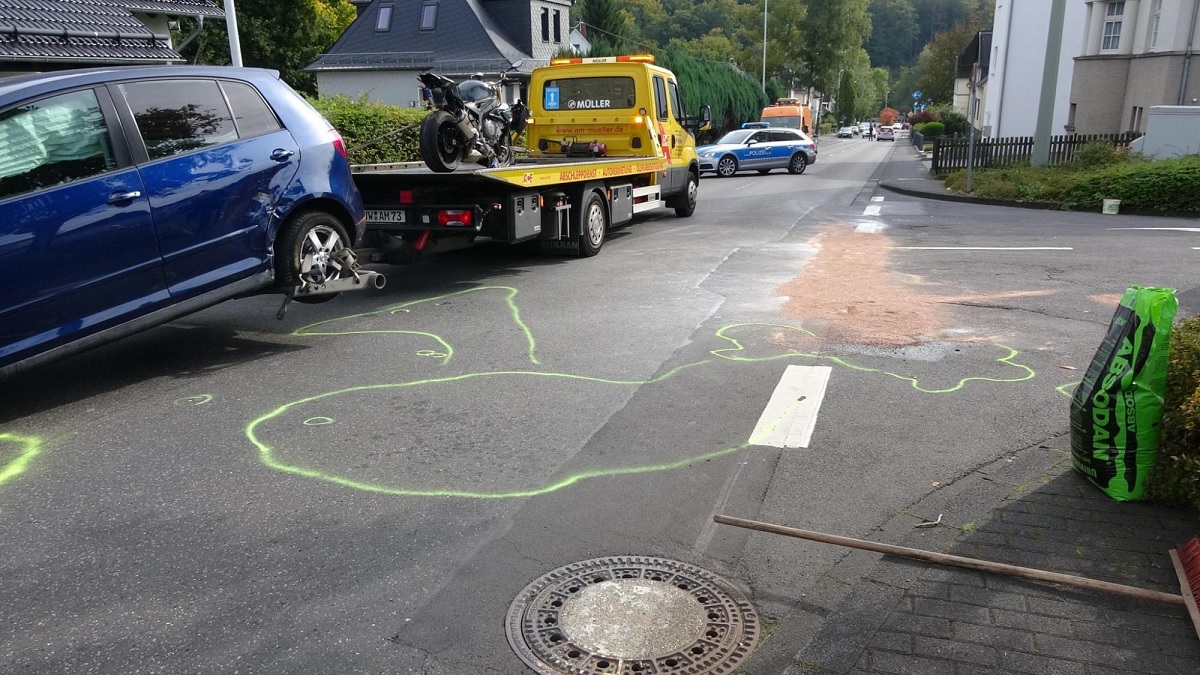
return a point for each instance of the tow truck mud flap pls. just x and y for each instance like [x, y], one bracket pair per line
[555, 236]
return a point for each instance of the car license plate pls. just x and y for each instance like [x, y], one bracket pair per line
[386, 216]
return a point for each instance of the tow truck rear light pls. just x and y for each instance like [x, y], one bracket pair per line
[406, 197]
[455, 217]
[338, 143]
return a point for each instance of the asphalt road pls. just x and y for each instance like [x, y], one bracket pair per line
[366, 485]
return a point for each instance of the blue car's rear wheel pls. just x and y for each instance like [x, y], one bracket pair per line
[304, 252]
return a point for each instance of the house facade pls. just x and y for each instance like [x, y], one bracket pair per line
[1017, 60]
[46, 35]
[1136, 54]
[393, 41]
[977, 52]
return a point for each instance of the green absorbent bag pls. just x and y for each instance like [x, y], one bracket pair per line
[1116, 412]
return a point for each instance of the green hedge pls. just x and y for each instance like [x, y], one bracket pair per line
[717, 85]
[932, 129]
[1165, 185]
[1176, 478]
[374, 132]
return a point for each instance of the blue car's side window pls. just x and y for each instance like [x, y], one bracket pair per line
[177, 116]
[53, 141]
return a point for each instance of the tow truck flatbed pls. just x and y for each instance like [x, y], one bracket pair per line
[525, 173]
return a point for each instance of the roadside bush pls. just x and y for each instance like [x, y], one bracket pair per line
[956, 123]
[1017, 183]
[374, 132]
[1166, 185]
[923, 116]
[1176, 477]
[932, 129]
[1099, 153]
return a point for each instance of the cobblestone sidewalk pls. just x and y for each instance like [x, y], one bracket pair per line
[1027, 509]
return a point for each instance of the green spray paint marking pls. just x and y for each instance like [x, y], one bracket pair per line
[404, 308]
[1068, 389]
[266, 452]
[194, 400]
[28, 448]
[1028, 372]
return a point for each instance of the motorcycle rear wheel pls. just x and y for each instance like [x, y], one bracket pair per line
[441, 142]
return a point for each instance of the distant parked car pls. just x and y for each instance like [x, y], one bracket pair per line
[886, 134]
[845, 132]
[761, 149]
[130, 197]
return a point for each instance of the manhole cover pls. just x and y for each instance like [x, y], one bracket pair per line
[631, 615]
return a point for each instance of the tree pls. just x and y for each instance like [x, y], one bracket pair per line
[939, 63]
[784, 33]
[605, 21]
[282, 34]
[888, 116]
[832, 28]
[893, 42]
[939, 16]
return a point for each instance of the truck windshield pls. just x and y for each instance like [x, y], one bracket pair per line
[589, 93]
[789, 122]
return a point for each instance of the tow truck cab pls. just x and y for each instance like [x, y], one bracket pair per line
[617, 106]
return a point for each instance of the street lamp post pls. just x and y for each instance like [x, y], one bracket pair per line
[764, 63]
[886, 96]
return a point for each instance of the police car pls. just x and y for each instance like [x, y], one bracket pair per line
[758, 146]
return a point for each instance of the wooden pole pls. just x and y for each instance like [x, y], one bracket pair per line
[956, 561]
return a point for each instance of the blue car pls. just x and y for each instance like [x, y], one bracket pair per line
[760, 149]
[132, 196]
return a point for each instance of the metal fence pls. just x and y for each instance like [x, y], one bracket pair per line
[950, 154]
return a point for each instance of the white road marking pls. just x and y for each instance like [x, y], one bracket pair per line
[876, 199]
[1160, 229]
[791, 414]
[985, 248]
[867, 227]
[872, 210]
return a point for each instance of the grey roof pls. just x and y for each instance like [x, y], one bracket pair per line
[465, 39]
[89, 31]
[175, 7]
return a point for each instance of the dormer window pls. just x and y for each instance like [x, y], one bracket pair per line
[428, 15]
[383, 22]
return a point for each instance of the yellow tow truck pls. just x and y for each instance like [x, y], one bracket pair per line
[608, 138]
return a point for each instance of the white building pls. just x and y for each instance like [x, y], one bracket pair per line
[1019, 37]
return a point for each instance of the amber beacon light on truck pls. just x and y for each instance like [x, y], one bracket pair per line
[629, 58]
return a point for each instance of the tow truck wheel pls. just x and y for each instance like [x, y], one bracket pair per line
[726, 166]
[685, 202]
[304, 252]
[593, 226]
[798, 164]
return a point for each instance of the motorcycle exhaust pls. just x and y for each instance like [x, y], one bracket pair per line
[464, 125]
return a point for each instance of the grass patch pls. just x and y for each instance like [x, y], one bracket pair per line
[1099, 172]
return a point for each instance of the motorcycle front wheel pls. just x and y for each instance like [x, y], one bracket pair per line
[503, 149]
[441, 142]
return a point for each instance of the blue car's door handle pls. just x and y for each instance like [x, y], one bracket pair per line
[118, 197]
[280, 154]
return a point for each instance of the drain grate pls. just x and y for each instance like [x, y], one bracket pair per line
[631, 615]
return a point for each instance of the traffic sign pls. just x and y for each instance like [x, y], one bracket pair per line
[917, 95]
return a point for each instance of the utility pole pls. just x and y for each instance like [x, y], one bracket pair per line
[764, 69]
[1045, 118]
[235, 45]
[971, 102]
